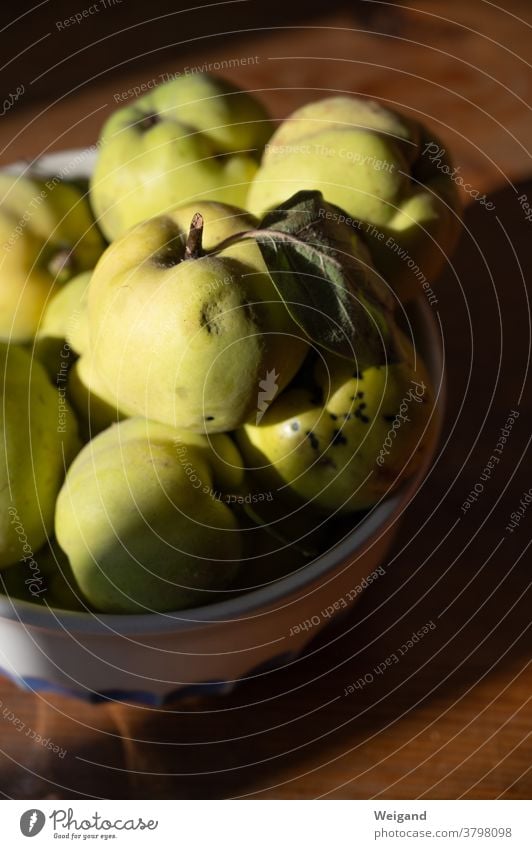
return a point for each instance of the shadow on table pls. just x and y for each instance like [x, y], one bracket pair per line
[454, 568]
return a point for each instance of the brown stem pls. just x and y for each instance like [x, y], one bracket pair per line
[194, 247]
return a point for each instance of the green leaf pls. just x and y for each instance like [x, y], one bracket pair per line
[324, 275]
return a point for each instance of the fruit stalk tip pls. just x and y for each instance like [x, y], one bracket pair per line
[194, 247]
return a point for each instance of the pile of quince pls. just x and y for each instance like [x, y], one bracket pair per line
[207, 364]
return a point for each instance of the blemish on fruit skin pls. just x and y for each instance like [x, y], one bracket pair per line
[333, 416]
[209, 418]
[338, 438]
[294, 426]
[167, 257]
[209, 319]
[251, 313]
[148, 121]
[313, 439]
[359, 414]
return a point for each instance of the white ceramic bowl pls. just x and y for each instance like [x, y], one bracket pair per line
[156, 658]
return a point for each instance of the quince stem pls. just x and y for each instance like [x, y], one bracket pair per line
[194, 247]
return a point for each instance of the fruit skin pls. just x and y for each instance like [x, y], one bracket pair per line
[334, 443]
[38, 435]
[93, 406]
[62, 589]
[139, 520]
[195, 137]
[369, 161]
[48, 236]
[63, 330]
[50, 583]
[187, 341]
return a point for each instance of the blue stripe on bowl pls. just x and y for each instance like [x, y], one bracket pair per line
[147, 697]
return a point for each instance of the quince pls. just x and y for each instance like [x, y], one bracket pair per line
[49, 580]
[194, 138]
[64, 327]
[186, 337]
[38, 435]
[93, 406]
[48, 236]
[346, 439]
[142, 519]
[374, 164]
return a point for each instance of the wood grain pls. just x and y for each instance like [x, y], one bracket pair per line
[453, 718]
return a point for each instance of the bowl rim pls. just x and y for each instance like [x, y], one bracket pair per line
[258, 602]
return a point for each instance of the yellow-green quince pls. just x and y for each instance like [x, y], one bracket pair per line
[377, 166]
[94, 408]
[193, 138]
[47, 235]
[63, 331]
[187, 340]
[347, 438]
[142, 518]
[47, 580]
[38, 435]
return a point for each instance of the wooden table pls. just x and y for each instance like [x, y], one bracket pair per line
[453, 719]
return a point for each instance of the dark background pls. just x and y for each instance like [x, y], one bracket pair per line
[129, 35]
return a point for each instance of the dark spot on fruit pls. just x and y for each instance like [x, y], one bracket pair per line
[205, 323]
[208, 318]
[294, 426]
[209, 418]
[360, 415]
[360, 394]
[338, 438]
[149, 121]
[169, 255]
[313, 439]
[333, 416]
[389, 419]
[251, 313]
[326, 462]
